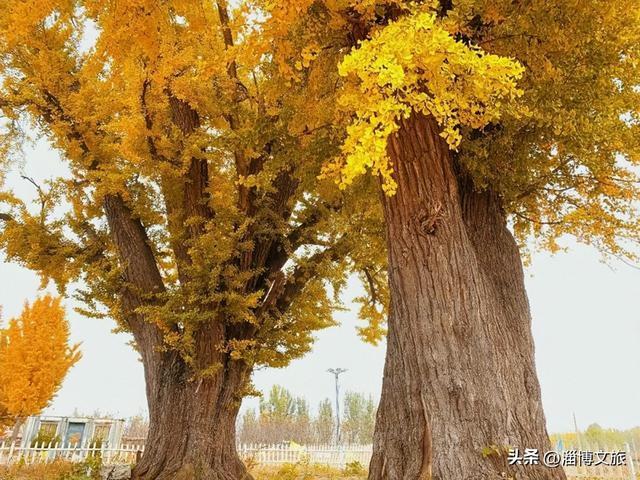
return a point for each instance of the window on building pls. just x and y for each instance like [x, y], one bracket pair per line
[101, 433]
[46, 434]
[48, 428]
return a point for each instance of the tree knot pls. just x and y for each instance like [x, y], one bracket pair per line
[427, 220]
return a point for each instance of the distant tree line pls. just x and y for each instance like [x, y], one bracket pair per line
[283, 417]
[596, 436]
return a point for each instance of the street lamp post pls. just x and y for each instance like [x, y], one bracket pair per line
[336, 373]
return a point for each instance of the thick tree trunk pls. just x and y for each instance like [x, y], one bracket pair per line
[192, 430]
[460, 385]
[192, 419]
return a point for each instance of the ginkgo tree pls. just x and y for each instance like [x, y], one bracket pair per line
[35, 357]
[192, 212]
[475, 115]
[217, 156]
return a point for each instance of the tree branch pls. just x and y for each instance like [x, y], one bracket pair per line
[127, 232]
[308, 271]
[298, 236]
[227, 34]
[372, 285]
[41, 195]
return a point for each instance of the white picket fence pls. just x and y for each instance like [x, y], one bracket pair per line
[47, 453]
[331, 455]
[336, 456]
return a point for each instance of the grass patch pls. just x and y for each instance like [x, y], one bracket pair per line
[307, 471]
[57, 470]
[60, 470]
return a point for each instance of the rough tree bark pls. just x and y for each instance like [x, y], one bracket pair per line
[191, 422]
[192, 431]
[460, 385]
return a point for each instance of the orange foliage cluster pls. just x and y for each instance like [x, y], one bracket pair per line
[35, 356]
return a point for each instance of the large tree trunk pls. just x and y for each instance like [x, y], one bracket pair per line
[192, 419]
[460, 385]
[192, 429]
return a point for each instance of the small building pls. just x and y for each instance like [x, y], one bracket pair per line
[73, 430]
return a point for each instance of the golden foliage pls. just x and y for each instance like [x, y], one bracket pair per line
[568, 163]
[561, 147]
[35, 356]
[415, 65]
[265, 100]
[138, 98]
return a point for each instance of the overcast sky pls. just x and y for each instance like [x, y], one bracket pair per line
[585, 323]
